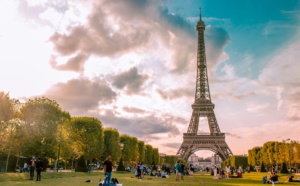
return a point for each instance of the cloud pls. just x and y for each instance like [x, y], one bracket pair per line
[257, 108]
[131, 81]
[209, 20]
[134, 110]
[73, 64]
[172, 145]
[78, 96]
[140, 127]
[109, 31]
[293, 105]
[176, 93]
[282, 75]
[233, 135]
[216, 40]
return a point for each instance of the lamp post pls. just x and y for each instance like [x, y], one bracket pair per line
[290, 164]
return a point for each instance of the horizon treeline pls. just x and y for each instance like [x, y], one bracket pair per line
[273, 153]
[40, 128]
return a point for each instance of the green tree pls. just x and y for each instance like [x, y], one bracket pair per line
[8, 111]
[9, 124]
[41, 117]
[277, 153]
[254, 158]
[148, 154]
[171, 160]
[65, 145]
[130, 149]
[141, 151]
[284, 168]
[87, 135]
[111, 145]
[156, 156]
[121, 166]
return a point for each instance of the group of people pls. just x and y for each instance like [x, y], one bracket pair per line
[179, 170]
[34, 165]
[273, 178]
[227, 172]
[140, 170]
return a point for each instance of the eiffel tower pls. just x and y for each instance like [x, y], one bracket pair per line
[203, 107]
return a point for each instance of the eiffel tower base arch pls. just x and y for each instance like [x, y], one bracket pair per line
[194, 142]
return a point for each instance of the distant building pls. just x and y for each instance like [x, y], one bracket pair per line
[162, 154]
[194, 160]
[216, 160]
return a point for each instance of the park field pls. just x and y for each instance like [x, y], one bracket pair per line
[128, 179]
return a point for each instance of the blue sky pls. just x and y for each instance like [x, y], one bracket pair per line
[132, 64]
[256, 28]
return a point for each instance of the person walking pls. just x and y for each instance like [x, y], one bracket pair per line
[178, 170]
[107, 170]
[39, 167]
[32, 167]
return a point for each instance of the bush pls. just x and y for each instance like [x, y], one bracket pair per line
[81, 165]
[121, 166]
[284, 168]
[262, 168]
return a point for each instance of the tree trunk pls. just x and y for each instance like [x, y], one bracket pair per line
[65, 164]
[18, 158]
[7, 160]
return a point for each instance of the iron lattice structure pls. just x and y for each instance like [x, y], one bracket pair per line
[203, 107]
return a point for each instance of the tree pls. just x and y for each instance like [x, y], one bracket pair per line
[8, 125]
[297, 155]
[130, 149]
[156, 156]
[171, 160]
[262, 167]
[87, 135]
[111, 145]
[41, 118]
[141, 151]
[277, 154]
[121, 166]
[148, 154]
[8, 111]
[254, 157]
[284, 168]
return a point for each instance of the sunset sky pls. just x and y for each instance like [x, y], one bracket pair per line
[132, 64]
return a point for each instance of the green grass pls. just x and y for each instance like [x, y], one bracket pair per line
[128, 179]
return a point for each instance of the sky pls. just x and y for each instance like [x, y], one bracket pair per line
[132, 64]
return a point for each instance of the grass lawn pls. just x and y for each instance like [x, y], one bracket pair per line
[128, 179]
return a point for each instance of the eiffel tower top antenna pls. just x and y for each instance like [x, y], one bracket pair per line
[200, 14]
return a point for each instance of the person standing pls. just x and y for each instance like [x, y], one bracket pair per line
[227, 169]
[25, 168]
[39, 167]
[182, 170]
[107, 170]
[178, 170]
[32, 167]
[215, 172]
[142, 170]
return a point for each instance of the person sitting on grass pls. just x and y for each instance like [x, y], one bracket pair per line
[290, 179]
[164, 175]
[274, 178]
[158, 174]
[265, 180]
